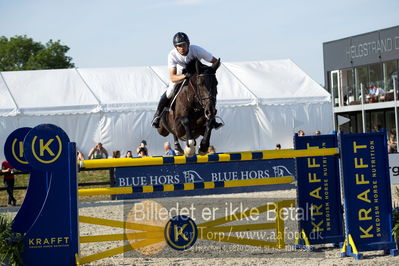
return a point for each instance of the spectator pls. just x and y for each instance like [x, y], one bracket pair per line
[116, 154]
[168, 149]
[278, 147]
[317, 132]
[211, 150]
[80, 156]
[379, 91]
[301, 133]
[142, 152]
[9, 181]
[373, 94]
[98, 152]
[129, 154]
[372, 91]
[143, 144]
[351, 97]
[392, 143]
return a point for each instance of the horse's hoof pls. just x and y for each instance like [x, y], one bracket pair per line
[189, 151]
[202, 153]
[191, 143]
[203, 149]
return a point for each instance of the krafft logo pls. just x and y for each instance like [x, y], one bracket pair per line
[17, 149]
[46, 150]
[181, 232]
[14, 149]
[49, 242]
[46, 146]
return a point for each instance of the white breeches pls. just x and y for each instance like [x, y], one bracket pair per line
[170, 89]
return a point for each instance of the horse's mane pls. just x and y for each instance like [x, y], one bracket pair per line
[191, 67]
[203, 69]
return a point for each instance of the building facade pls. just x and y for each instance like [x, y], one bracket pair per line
[361, 73]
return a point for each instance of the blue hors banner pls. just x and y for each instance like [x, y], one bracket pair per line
[319, 192]
[210, 172]
[367, 193]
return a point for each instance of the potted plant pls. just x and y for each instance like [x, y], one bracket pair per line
[11, 244]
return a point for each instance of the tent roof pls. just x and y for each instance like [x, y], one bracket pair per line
[91, 90]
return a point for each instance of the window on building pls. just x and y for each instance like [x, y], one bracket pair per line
[375, 73]
[334, 85]
[377, 121]
[390, 121]
[362, 80]
[353, 123]
[346, 128]
[375, 79]
[374, 89]
[367, 119]
[347, 86]
[390, 71]
[349, 127]
[359, 123]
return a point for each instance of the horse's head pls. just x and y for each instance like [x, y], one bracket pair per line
[205, 83]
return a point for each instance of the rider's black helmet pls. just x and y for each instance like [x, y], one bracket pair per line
[180, 38]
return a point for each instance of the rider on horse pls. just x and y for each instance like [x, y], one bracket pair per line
[177, 61]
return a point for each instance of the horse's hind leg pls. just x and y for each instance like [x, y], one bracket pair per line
[178, 148]
[162, 131]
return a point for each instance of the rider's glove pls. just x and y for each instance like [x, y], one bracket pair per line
[187, 75]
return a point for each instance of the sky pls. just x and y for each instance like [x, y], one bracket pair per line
[117, 33]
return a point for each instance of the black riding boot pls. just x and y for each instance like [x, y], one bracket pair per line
[163, 102]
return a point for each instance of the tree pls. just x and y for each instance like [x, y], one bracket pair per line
[23, 53]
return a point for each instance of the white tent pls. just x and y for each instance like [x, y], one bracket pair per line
[262, 103]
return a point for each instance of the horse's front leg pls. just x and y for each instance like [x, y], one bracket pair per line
[178, 148]
[190, 149]
[206, 139]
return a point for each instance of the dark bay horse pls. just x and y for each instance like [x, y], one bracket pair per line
[194, 109]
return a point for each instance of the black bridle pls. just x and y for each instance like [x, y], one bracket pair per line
[197, 94]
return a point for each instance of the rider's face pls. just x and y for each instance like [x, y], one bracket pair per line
[182, 48]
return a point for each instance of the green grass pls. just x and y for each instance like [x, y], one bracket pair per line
[83, 177]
